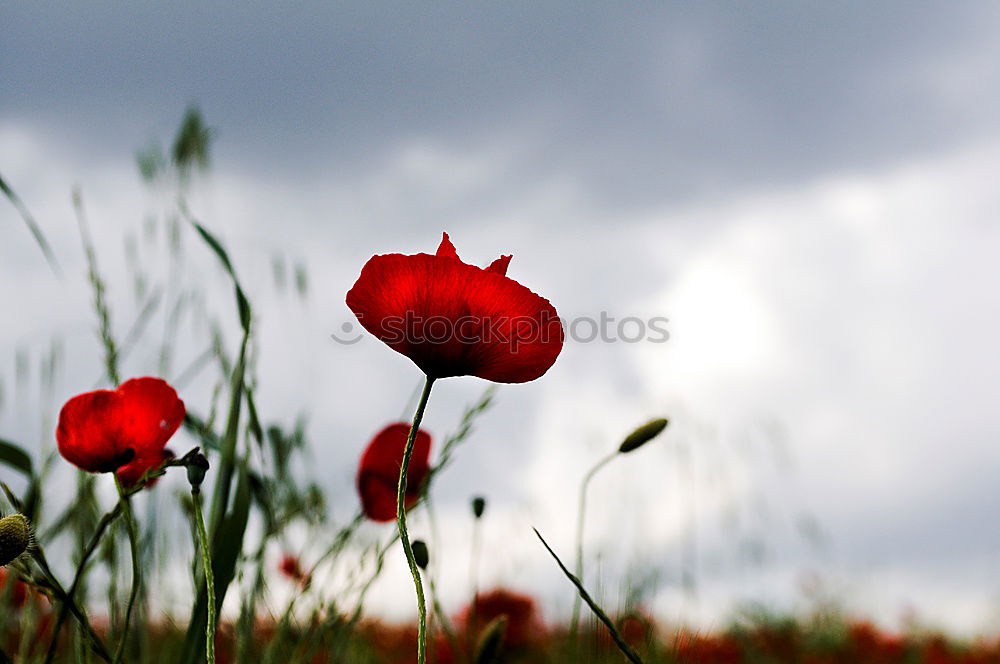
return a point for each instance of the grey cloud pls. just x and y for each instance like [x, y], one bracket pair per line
[641, 104]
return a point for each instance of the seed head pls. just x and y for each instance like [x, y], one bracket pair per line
[15, 536]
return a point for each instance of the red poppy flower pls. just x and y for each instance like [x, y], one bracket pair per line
[378, 472]
[524, 624]
[123, 430]
[291, 568]
[456, 319]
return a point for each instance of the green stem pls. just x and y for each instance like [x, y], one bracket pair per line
[206, 564]
[133, 541]
[580, 517]
[404, 536]
[446, 626]
[449, 632]
[471, 634]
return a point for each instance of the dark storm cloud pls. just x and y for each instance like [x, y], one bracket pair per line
[639, 104]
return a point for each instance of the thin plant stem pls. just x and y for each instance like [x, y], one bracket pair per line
[95, 539]
[626, 649]
[470, 634]
[133, 540]
[449, 632]
[404, 536]
[206, 564]
[581, 514]
[60, 593]
[446, 626]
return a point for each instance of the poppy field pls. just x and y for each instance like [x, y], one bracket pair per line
[82, 578]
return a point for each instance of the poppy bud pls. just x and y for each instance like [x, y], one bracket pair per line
[642, 435]
[478, 506]
[197, 466]
[420, 554]
[15, 536]
[491, 642]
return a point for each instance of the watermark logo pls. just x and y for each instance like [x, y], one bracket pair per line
[416, 330]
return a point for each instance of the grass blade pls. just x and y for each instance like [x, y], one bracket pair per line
[33, 226]
[15, 457]
[631, 654]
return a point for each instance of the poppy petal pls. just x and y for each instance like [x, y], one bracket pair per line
[454, 319]
[378, 471]
[87, 436]
[127, 428]
[499, 266]
[446, 249]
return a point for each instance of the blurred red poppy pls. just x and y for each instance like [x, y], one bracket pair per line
[123, 430]
[456, 319]
[524, 624]
[378, 472]
[291, 568]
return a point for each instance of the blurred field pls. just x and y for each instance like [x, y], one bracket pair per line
[63, 600]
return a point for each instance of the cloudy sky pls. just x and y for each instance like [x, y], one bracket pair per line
[806, 191]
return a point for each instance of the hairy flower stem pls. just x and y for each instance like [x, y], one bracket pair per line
[133, 540]
[580, 518]
[206, 564]
[404, 536]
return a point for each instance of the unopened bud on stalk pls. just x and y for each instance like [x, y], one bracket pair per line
[491, 642]
[478, 506]
[420, 554]
[197, 466]
[15, 536]
[642, 435]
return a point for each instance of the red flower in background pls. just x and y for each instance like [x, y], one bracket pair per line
[123, 430]
[524, 624]
[378, 472]
[456, 319]
[291, 568]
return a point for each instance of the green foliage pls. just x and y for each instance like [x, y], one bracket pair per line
[13, 456]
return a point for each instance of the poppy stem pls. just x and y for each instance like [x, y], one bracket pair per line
[133, 541]
[206, 564]
[404, 536]
[581, 513]
[471, 633]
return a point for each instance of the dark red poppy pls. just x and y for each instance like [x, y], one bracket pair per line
[123, 430]
[456, 319]
[524, 624]
[378, 472]
[291, 568]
